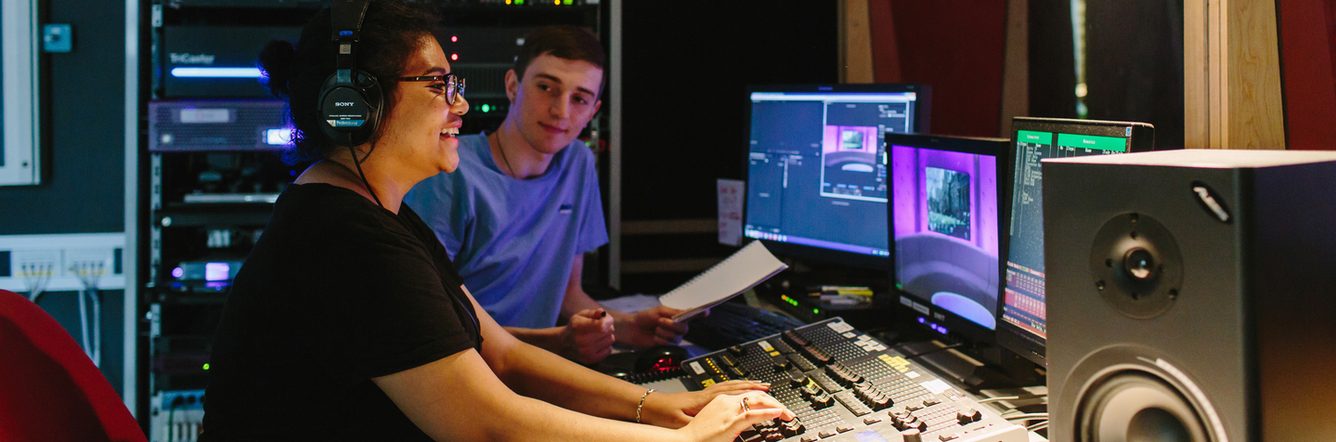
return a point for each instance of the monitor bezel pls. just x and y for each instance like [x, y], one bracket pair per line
[812, 254]
[1140, 138]
[957, 326]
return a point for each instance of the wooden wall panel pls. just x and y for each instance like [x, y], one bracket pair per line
[1237, 104]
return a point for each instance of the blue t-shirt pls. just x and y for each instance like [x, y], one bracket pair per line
[513, 241]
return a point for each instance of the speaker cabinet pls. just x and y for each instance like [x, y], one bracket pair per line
[1191, 296]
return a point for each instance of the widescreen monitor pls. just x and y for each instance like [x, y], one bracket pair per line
[816, 174]
[1023, 328]
[944, 212]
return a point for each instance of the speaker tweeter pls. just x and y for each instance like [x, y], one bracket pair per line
[1135, 266]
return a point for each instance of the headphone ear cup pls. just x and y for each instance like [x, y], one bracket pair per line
[374, 99]
[350, 113]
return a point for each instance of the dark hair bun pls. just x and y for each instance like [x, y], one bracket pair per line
[276, 60]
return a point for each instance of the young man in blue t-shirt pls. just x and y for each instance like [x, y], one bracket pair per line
[524, 206]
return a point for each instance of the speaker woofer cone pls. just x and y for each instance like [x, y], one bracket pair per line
[1134, 406]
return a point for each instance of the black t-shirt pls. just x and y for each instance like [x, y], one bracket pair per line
[337, 291]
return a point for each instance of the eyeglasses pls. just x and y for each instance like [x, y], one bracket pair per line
[454, 85]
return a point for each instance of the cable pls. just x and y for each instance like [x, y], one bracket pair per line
[1037, 427]
[95, 296]
[1027, 417]
[88, 273]
[171, 431]
[998, 399]
[83, 325]
[35, 277]
[358, 163]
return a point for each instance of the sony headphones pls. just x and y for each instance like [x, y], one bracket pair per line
[350, 100]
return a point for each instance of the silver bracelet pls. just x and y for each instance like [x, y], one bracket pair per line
[641, 405]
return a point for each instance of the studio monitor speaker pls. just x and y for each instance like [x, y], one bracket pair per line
[1191, 296]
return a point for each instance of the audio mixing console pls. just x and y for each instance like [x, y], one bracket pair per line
[847, 386]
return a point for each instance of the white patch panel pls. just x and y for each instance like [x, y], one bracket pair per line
[176, 415]
[59, 261]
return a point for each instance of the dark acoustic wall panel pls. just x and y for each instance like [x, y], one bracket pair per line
[1134, 64]
[686, 67]
[954, 46]
[1308, 63]
[83, 122]
[1052, 75]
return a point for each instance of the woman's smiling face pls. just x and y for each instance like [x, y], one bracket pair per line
[422, 123]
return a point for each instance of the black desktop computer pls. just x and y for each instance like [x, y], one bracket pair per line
[946, 196]
[931, 206]
[817, 190]
[1022, 326]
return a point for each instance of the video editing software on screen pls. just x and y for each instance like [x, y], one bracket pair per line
[816, 169]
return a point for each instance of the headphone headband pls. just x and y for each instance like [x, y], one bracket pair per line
[346, 18]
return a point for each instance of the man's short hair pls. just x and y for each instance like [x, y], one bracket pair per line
[567, 42]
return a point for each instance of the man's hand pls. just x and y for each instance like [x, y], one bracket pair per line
[588, 337]
[650, 327]
[673, 410]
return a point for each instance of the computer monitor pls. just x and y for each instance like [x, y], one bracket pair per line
[816, 175]
[944, 212]
[1023, 322]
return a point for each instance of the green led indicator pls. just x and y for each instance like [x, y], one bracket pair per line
[567, 2]
[485, 108]
[519, 2]
[816, 311]
[206, 366]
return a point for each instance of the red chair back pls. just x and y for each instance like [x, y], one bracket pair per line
[49, 389]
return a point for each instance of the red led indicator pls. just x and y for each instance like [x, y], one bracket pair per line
[454, 38]
[454, 57]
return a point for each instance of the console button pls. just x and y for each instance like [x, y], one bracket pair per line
[968, 415]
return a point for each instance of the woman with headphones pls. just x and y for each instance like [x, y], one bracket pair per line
[348, 320]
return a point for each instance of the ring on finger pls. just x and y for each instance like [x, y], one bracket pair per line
[745, 407]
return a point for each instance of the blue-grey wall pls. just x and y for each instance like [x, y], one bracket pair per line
[83, 181]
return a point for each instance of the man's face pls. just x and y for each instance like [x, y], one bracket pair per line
[554, 101]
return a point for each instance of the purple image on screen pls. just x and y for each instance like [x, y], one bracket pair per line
[849, 139]
[946, 253]
[851, 164]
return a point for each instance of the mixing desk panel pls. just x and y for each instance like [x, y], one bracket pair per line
[847, 386]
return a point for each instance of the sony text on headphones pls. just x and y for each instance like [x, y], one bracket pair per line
[350, 100]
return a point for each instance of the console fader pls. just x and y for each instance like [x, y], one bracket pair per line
[847, 386]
